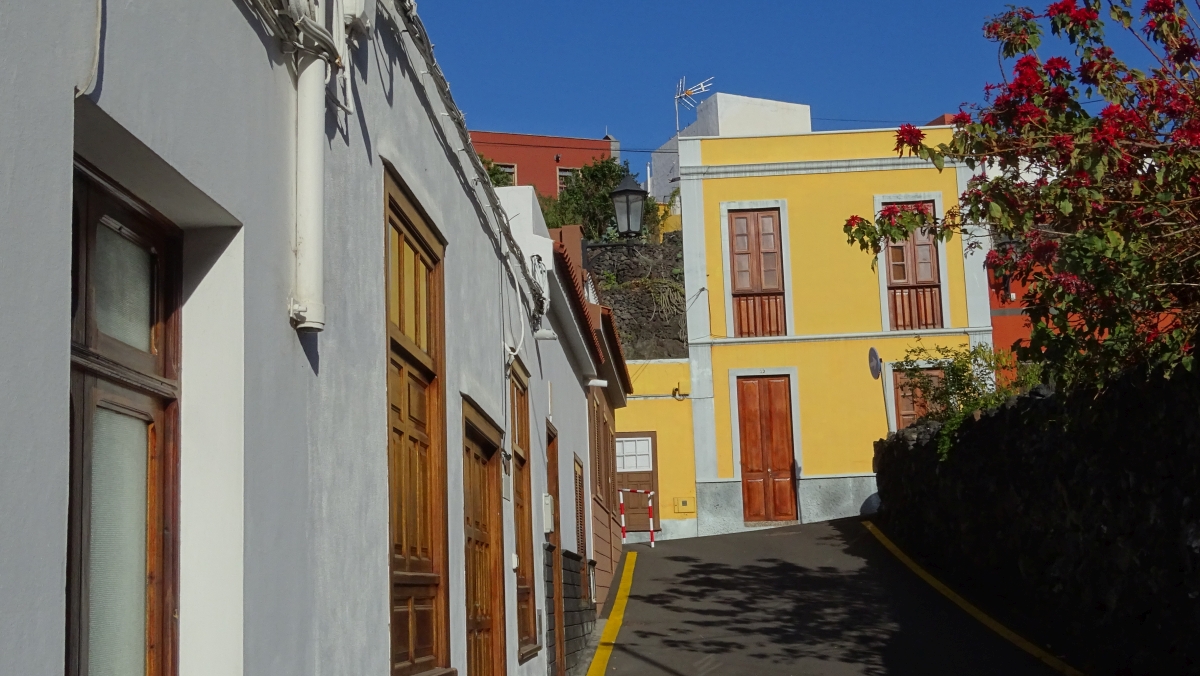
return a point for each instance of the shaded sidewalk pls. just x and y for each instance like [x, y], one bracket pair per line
[814, 599]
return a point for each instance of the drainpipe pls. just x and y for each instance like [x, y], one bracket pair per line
[308, 303]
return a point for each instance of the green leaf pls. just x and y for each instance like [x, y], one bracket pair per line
[939, 161]
[995, 211]
[1065, 207]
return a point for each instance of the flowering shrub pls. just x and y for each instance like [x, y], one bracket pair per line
[954, 382]
[1098, 213]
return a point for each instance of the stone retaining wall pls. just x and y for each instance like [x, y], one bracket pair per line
[1090, 503]
[643, 284]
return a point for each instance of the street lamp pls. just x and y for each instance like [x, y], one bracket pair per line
[629, 199]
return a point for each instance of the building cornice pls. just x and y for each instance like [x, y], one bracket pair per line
[825, 337]
[805, 167]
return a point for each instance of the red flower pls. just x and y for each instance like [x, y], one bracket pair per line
[909, 138]
[961, 119]
[1159, 7]
[1061, 8]
[855, 222]
[1068, 11]
[1057, 65]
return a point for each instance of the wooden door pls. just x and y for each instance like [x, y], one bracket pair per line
[768, 465]
[560, 639]
[484, 549]
[418, 521]
[637, 468]
[910, 402]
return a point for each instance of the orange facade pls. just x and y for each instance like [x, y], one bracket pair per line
[539, 161]
[1009, 322]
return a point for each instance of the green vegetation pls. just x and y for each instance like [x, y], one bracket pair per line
[586, 201]
[1093, 209]
[498, 177]
[955, 382]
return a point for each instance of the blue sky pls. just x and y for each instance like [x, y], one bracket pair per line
[573, 68]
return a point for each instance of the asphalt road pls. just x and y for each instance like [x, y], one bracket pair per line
[813, 599]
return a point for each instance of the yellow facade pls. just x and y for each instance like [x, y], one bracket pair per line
[660, 404]
[833, 302]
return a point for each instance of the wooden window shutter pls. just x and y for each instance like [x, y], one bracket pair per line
[914, 279]
[756, 270]
[581, 527]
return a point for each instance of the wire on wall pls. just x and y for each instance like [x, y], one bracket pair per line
[420, 38]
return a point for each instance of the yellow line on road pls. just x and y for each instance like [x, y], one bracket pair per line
[1052, 661]
[609, 638]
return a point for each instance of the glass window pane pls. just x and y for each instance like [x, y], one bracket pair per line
[422, 305]
[116, 571]
[770, 271]
[410, 292]
[741, 265]
[766, 227]
[123, 275]
[393, 275]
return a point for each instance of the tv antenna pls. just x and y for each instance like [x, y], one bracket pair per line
[684, 94]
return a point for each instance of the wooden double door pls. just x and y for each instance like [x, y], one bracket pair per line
[768, 462]
[484, 553]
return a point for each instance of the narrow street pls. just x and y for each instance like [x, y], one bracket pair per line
[822, 598]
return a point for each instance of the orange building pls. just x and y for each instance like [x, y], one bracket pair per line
[1009, 321]
[543, 162]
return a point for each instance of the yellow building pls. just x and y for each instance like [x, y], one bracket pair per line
[772, 418]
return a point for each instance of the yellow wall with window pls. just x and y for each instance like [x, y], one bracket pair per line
[671, 419]
[833, 287]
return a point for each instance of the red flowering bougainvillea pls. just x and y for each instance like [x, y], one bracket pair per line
[1088, 179]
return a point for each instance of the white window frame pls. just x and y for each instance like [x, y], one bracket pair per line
[649, 442]
[881, 260]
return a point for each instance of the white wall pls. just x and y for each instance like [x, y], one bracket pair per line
[194, 111]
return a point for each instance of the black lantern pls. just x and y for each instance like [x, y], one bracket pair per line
[629, 200]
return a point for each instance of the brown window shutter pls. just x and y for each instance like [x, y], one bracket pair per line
[756, 270]
[914, 279]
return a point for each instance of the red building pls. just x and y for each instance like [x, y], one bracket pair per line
[543, 162]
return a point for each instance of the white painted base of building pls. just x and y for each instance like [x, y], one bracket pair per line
[669, 529]
[719, 503]
[828, 498]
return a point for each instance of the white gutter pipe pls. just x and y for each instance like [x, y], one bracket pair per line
[308, 302]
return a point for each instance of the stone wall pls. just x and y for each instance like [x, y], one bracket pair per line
[1089, 504]
[548, 578]
[579, 612]
[643, 284]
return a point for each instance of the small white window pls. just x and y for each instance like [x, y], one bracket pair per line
[634, 455]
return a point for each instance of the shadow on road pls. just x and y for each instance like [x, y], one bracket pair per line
[813, 599]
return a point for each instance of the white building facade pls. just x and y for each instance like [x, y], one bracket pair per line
[262, 310]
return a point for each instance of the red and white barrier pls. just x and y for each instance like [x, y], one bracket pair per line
[649, 508]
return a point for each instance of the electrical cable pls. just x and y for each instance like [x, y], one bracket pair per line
[420, 39]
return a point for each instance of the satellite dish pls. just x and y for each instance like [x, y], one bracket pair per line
[876, 363]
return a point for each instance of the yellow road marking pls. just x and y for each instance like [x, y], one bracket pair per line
[1052, 661]
[609, 638]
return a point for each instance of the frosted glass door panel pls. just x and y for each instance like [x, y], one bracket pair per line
[634, 455]
[123, 277]
[116, 575]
